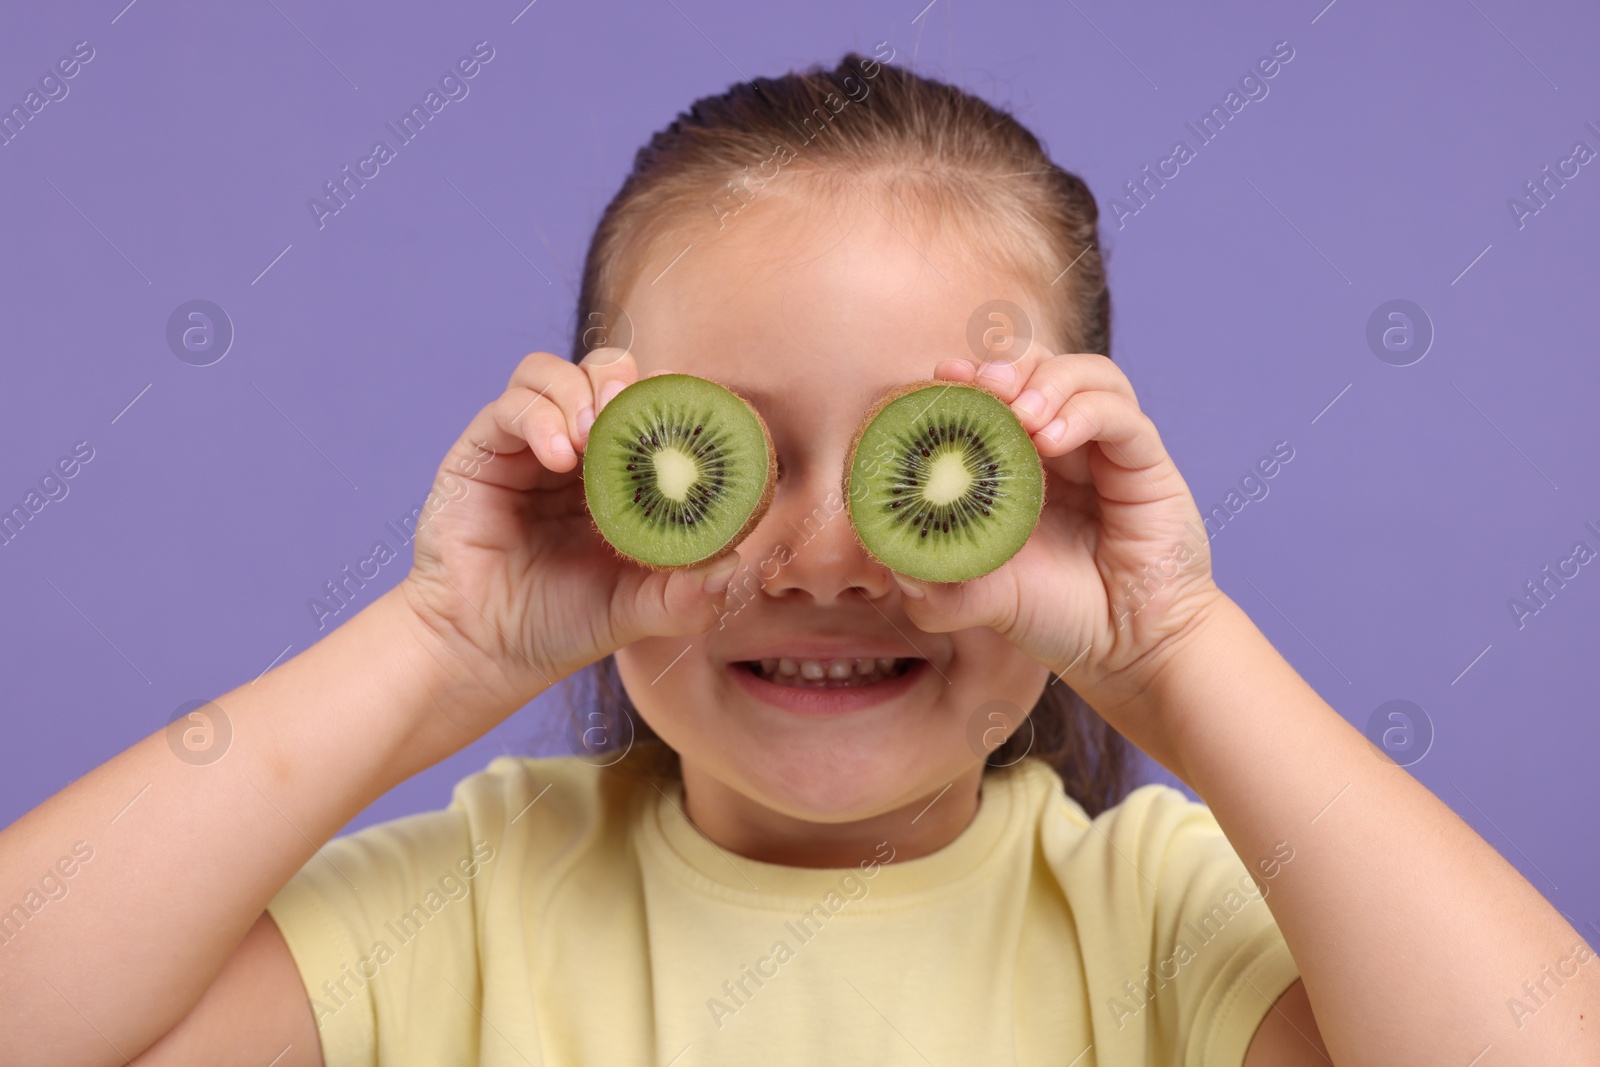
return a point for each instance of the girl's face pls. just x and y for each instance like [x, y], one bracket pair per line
[811, 312]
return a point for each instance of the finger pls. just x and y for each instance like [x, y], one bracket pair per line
[610, 371]
[1005, 376]
[475, 458]
[563, 385]
[667, 603]
[522, 413]
[492, 451]
[1055, 379]
[1126, 435]
[939, 607]
[955, 370]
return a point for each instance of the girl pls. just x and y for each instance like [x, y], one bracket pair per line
[821, 829]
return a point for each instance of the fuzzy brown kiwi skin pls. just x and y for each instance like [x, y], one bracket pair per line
[768, 490]
[866, 420]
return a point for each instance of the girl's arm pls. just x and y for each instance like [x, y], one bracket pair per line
[510, 591]
[186, 857]
[1412, 935]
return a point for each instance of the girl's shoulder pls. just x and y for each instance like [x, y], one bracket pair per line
[576, 783]
[1169, 918]
[551, 803]
[1151, 851]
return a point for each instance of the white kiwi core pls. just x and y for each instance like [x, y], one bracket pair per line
[675, 473]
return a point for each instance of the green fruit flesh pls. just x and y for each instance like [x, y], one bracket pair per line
[675, 470]
[945, 484]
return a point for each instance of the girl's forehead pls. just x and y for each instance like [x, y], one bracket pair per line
[813, 305]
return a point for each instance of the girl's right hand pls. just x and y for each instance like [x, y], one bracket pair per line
[509, 568]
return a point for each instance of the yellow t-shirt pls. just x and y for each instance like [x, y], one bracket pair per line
[561, 914]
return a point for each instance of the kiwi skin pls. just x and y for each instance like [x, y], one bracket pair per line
[884, 401]
[768, 490]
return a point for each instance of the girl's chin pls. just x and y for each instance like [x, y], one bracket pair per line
[789, 692]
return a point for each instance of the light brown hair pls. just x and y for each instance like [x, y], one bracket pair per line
[922, 142]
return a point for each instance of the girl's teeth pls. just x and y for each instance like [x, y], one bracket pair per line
[818, 673]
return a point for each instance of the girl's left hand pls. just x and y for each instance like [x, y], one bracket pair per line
[1119, 567]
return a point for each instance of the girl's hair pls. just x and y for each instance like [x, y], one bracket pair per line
[960, 160]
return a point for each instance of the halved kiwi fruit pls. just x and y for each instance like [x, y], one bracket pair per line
[943, 482]
[677, 470]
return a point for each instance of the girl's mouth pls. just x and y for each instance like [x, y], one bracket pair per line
[848, 673]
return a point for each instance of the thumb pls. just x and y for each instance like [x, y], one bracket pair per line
[677, 602]
[943, 607]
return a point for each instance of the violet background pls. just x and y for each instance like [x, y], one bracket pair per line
[1378, 167]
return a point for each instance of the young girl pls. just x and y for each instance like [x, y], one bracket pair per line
[821, 829]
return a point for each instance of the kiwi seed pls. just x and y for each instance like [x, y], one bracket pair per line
[943, 482]
[677, 471]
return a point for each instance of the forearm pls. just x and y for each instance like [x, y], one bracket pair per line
[186, 854]
[1410, 931]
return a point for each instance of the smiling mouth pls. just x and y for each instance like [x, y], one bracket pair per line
[828, 673]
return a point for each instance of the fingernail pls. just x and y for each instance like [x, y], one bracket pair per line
[1030, 403]
[585, 420]
[909, 588]
[609, 393]
[720, 574]
[999, 372]
[1055, 431]
[561, 444]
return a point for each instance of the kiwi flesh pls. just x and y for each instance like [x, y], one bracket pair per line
[677, 470]
[943, 482]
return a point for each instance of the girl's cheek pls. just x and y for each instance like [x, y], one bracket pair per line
[662, 677]
[988, 667]
[642, 661]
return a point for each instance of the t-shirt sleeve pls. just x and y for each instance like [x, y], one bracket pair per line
[1210, 957]
[380, 921]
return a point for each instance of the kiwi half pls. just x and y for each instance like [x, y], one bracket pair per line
[677, 470]
[943, 482]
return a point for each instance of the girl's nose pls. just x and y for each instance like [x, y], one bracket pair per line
[805, 543]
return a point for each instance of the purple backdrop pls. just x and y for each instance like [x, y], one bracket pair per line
[1443, 449]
